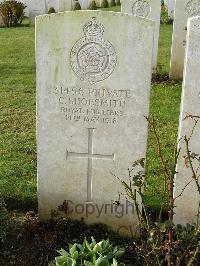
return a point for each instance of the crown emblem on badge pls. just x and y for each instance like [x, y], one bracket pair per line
[93, 28]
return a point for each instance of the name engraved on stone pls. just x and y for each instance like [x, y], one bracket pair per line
[90, 156]
[96, 105]
[93, 59]
[141, 8]
[193, 8]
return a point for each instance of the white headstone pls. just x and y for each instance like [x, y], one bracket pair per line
[93, 85]
[184, 9]
[166, 3]
[61, 6]
[52, 3]
[171, 4]
[148, 9]
[65, 5]
[27, 4]
[187, 204]
[37, 7]
[84, 4]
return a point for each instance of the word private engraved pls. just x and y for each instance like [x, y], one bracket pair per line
[90, 156]
[93, 59]
[193, 8]
[89, 104]
[141, 8]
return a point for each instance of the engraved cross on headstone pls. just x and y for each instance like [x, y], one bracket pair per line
[90, 156]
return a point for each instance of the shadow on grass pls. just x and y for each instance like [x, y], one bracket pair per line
[33, 243]
[22, 205]
[25, 23]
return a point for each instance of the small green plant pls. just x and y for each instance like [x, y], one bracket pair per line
[12, 13]
[163, 242]
[164, 18]
[105, 4]
[76, 6]
[51, 10]
[112, 3]
[93, 5]
[118, 2]
[90, 254]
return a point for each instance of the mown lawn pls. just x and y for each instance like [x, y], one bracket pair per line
[164, 106]
[17, 119]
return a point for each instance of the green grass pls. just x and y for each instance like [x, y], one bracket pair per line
[113, 8]
[164, 51]
[165, 107]
[17, 118]
[165, 104]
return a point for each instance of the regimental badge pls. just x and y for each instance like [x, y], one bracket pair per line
[93, 59]
[193, 8]
[141, 8]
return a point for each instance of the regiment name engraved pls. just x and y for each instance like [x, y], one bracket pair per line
[92, 105]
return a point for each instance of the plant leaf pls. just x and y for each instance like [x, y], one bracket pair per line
[63, 252]
[93, 241]
[87, 263]
[87, 245]
[102, 261]
[75, 255]
[114, 262]
[119, 253]
[72, 249]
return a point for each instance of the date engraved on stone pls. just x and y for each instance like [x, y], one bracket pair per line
[93, 59]
[193, 8]
[141, 8]
[87, 104]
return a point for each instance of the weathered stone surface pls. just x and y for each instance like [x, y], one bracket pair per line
[187, 205]
[52, 3]
[184, 9]
[171, 4]
[36, 8]
[93, 86]
[148, 9]
[65, 5]
[166, 2]
[84, 4]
